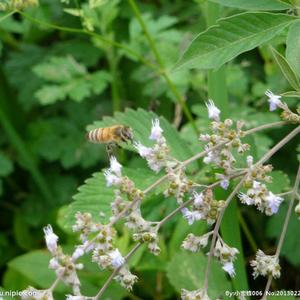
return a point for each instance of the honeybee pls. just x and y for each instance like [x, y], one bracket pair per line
[111, 136]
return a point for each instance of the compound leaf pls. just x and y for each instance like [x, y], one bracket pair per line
[231, 37]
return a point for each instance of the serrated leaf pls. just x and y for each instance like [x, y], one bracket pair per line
[140, 121]
[231, 37]
[6, 166]
[187, 271]
[293, 47]
[286, 70]
[94, 196]
[280, 182]
[255, 4]
[50, 94]
[60, 69]
[71, 81]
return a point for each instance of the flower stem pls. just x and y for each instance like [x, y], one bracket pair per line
[269, 154]
[284, 228]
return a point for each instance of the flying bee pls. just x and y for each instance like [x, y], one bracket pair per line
[111, 136]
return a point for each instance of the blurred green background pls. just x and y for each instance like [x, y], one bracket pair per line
[54, 82]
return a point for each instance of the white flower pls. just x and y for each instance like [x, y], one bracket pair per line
[51, 238]
[249, 160]
[156, 130]
[224, 183]
[213, 111]
[53, 264]
[115, 166]
[117, 259]
[265, 265]
[111, 179]
[245, 199]
[79, 251]
[297, 210]
[273, 202]
[274, 100]
[142, 150]
[212, 157]
[191, 216]
[71, 297]
[256, 184]
[198, 199]
[229, 268]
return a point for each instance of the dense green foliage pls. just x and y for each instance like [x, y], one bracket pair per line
[69, 66]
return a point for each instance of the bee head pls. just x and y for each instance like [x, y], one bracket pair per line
[127, 133]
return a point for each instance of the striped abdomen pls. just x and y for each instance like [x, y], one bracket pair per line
[103, 135]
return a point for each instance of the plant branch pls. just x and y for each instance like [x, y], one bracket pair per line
[284, 228]
[93, 34]
[269, 154]
[115, 272]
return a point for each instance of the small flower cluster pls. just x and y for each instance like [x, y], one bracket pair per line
[194, 295]
[179, 184]
[257, 193]
[63, 265]
[17, 4]
[265, 265]
[144, 231]
[104, 253]
[157, 156]
[33, 294]
[224, 139]
[195, 243]
[287, 114]
[114, 177]
[204, 207]
[226, 255]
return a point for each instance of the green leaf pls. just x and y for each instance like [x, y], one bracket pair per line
[6, 166]
[60, 69]
[72, 80]
[34, 266]
[293, 47]
[94, 196]
[22, 232]
[255, 4]
[231, 37]
[140, 122]
[49, 94]
[187, 271]
[291, 245]
[291, 94]
[280, 182]
[286, 70]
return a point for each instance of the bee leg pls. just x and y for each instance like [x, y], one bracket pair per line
[110, 149]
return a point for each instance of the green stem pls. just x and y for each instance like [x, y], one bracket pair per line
[159, 60]
[7, 15]
[93, 34]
